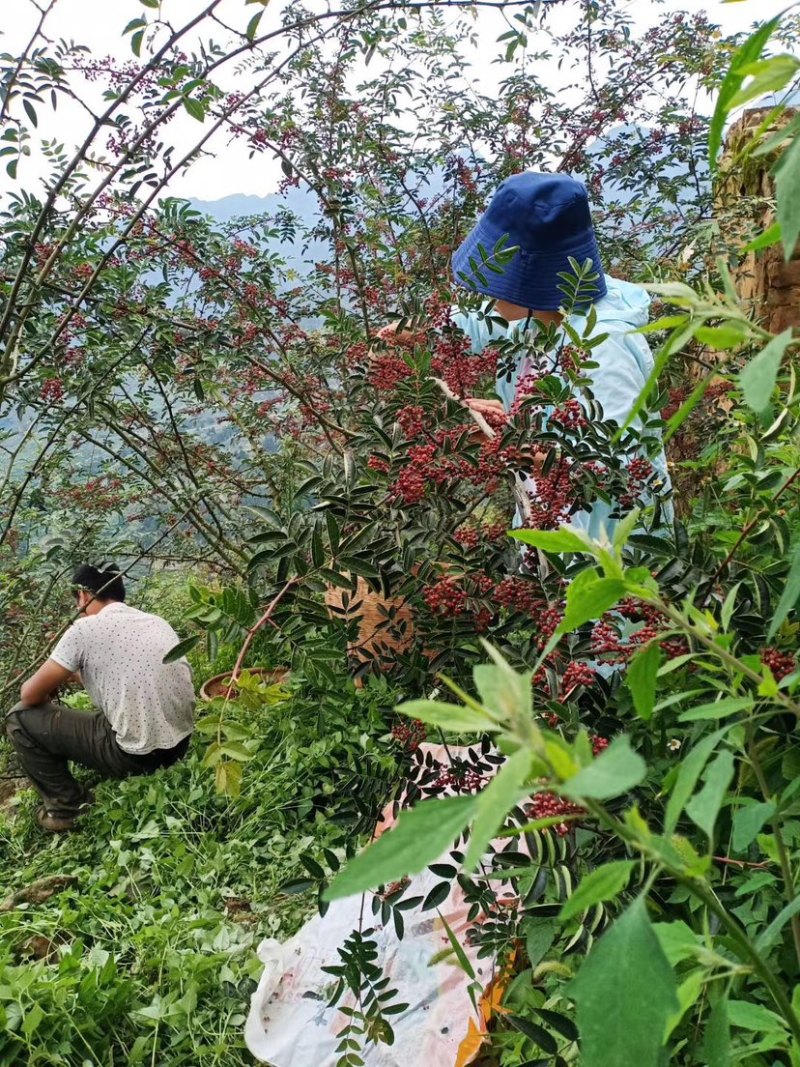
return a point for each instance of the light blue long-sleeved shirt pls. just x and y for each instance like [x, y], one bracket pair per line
[624, 360]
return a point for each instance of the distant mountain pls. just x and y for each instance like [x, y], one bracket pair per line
[298, 253]
[300, 200]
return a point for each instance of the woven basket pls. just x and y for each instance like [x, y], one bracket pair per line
[385, 624]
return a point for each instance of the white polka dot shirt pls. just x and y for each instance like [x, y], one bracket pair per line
[119, 653]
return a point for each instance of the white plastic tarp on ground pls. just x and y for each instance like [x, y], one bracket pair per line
[290, 1024]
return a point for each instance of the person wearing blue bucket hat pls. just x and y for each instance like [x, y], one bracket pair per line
[546, 217]
[536, 228]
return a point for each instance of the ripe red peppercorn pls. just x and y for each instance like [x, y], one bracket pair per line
[548, 805]
[780, 663]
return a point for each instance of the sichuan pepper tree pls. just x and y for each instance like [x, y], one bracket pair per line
[661, 814]
[143, 336]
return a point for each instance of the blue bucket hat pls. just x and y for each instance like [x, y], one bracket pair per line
[547, 217]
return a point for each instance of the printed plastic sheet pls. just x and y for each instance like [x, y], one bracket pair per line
[290, 1024]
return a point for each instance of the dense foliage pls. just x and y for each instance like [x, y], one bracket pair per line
[211, 405]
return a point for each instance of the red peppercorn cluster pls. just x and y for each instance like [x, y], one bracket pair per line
[482, 584]
[570, 416]
[410, 734]
[387, 371]
[674, 647]
[552, 719]
[548, 620]
[599, 744]
[74, 357]
[599, 470]
[447, 597]
[539, 680]
[552, 499]
[638, 472]
[412, 420]
[576, 674]
[468, 536]
[675, 398]
[548, 805]
[495, 531]
[639, 612]
[607, 641]
[461, 368]
[527, 387]
[455, 596]
[462, 779]
[52, 390]
[439, 310]
[466, 176]
[780, 663]
[718, 390]
[97, 494]
[570, 359]
[518, 594]
[414, 479]
[375, 463]
[357, 353]
[494, 461]
[430, 464]
[438, 462]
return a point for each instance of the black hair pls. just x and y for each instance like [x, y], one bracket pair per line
[104, 581]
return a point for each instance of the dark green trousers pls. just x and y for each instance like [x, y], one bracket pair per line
[48, 736]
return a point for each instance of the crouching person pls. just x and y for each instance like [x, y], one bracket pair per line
[145, 707]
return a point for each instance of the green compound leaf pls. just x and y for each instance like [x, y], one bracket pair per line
[605, 883]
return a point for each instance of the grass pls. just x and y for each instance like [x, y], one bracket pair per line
[146, 953]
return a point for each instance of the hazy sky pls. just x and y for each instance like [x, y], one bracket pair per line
[99, 24]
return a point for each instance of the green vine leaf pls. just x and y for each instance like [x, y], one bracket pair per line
[703, 808]
[757, 379]
[748, 53]
[625, 994]
[748, 823]
[642, 679]
[717, 1039]
[420, 837]
[591, 600]
[556, 541]
[789, 596]
[787, 190]
[453, 717]
[494, 803]
[717, 709]
[614, 772]
[179, 651]
[690, 770]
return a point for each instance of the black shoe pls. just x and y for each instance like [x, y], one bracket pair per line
[55, 824]
[60, 824]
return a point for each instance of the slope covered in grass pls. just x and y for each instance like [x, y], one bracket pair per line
[143, 951]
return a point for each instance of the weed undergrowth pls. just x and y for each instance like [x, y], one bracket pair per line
[144, 951]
